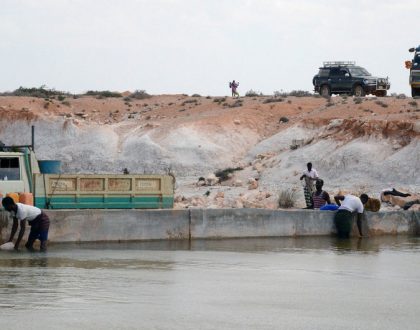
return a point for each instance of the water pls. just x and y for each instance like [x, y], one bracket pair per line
[305, 283]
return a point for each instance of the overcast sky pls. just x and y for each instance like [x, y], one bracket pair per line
[198, 46]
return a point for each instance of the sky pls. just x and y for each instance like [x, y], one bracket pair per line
[198, 46]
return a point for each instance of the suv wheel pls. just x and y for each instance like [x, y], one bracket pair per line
[381, 93]
[358, 91]
[415, 92]
[325, 91]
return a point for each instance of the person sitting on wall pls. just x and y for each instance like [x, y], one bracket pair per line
[348, 205]
[36, 218]
[320, 197]
[372, 204]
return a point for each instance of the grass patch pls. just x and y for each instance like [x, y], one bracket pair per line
[287, 199]
[296, 93]
[236, 104]
[103, 94]
[189, 101]
[252, 93]
[273, 100]
[219, 99]
[223, 175]
[140, 94]
[41, 92]
[382, 104]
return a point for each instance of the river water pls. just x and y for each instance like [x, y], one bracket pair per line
[282, 283]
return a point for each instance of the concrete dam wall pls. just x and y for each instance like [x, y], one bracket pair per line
[137, 225]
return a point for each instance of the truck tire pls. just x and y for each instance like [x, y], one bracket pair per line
[358, 91]
[325, 91]
[415, 92]
[381, 93]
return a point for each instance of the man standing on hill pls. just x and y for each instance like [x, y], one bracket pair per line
[37, 219]
[310, 176]
[233, 86]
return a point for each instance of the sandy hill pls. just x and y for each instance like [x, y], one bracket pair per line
[356, 144]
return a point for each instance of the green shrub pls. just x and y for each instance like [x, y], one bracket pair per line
[287, 198]
[273, 100]
[252, 93]
[103, 94]
[140, 94]
[296, 93]
[41, 92]
[223, 175]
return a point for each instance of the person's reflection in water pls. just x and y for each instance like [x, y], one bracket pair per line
[346, 245]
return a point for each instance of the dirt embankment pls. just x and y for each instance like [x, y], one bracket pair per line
[370, 138]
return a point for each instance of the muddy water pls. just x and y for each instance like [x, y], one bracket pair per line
[311, 283]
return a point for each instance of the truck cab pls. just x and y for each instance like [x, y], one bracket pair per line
[16, 169]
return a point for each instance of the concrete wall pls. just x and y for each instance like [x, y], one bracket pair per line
[127, 225]
[112, 225]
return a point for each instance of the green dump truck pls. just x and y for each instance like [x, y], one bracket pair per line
[20, 173]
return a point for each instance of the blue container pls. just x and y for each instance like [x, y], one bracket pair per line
[49, 166]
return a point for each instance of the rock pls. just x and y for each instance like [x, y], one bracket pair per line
[258, 167]
[238, 204]
[220, 194]
[237, 122]
[253, 184]
[179, 198]
[212, 179]
[416, 127]
[237, 183]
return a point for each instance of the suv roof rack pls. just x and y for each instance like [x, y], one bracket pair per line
[338, 63]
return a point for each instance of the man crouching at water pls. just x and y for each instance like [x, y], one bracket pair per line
[343, 218]
[37, 219]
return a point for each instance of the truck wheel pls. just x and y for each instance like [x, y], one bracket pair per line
[381, 93]
[325, 91]
[415, 92]
[358, 91]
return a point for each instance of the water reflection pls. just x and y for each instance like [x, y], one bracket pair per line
[290, 283]
[261, 245]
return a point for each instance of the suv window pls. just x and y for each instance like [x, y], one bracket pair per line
[324, 72]
[358, 71]
[335, 72]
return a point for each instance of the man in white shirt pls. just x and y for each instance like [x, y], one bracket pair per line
[348, 205]
[37, 219]
[310, 176]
